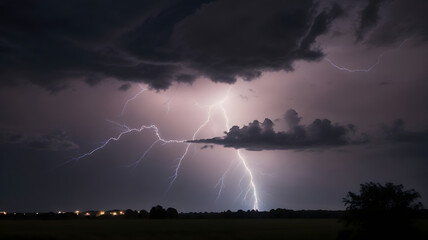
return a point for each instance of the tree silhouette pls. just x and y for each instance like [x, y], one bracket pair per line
[381, 211]
[157, 212]
[172, 213]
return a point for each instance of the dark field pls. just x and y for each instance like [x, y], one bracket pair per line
[177, 229]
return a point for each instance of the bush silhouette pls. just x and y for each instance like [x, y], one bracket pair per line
[381, 211]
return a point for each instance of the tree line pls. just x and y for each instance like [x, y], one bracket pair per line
[375, 203]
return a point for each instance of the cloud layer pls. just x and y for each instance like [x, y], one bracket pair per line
[400, 19]
[55, 141]
[369, 17]
[397, 133]
[321, 133]
[50, 43]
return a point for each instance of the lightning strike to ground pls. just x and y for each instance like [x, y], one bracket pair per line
[372, 66]
[252, 186]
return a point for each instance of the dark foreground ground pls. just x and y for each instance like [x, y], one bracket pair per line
[179, 229]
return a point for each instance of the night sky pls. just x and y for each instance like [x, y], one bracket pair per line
[210, 105]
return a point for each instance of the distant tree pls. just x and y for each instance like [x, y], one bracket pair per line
[172, 213]
[381, 210]
[157, 212]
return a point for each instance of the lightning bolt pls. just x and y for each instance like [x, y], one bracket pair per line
[128, 130]
[131, 99]
[372, 66]
[248, 172]
[124, 130]
[168, 102]
[210, 108]
[177, 168]
[220, 182]
[144, 154]
[252, 187]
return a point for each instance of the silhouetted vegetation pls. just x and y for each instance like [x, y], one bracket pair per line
[377, 212]
[253, 214]
[157, 212]
[382, 212]
[172, 213]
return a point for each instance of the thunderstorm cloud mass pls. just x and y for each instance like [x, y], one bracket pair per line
[210, 105]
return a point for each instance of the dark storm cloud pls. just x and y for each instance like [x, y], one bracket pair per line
[261, 136]
[50, 43]
[292, 118]
[400, 142]
[229, 39]
[402, 19]
[396, 132]
[55, 141]
[369, 17]
[186, 78]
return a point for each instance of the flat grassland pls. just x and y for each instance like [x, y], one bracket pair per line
[177, 229]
